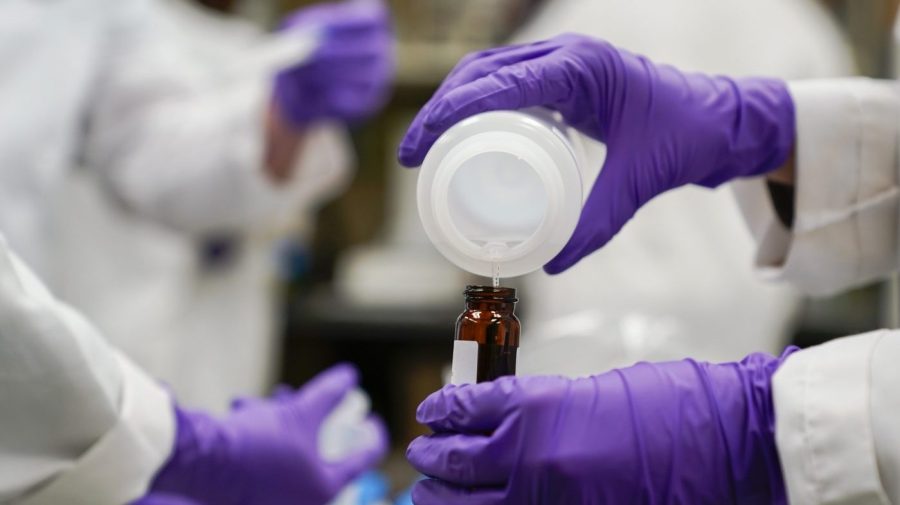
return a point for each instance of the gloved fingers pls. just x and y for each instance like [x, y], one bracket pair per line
[523, 84]
[463, 460]
[477, 65]
[613, 201]
[471, 67]
[325, 391]
[365, 459]
[415, 144]
[435, 492]
[470, 408]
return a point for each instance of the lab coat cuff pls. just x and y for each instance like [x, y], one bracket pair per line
[823, 430]
[121, 465]
[846, 201]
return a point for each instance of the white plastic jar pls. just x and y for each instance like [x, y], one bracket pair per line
[502, 191]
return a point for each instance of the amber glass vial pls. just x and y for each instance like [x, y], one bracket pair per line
[487, 336]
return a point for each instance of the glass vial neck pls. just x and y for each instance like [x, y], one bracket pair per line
[490, 298]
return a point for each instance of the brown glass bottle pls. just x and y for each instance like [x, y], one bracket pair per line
[487, 335]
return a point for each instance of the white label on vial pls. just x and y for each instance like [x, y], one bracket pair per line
[464, 369]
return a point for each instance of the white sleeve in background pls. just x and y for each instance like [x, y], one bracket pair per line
[79, 424]
[178, 141]
[836, 410]
[846, 193]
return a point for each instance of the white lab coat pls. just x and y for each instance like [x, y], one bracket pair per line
[80, 424]
[674, 282]
[97, 80]
[836, 405]
[151, 295]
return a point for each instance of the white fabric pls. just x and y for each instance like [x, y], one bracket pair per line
[675, 281]
[885, 407]
[846, 204]
[836, 412]
[151, 296]
[76, 416]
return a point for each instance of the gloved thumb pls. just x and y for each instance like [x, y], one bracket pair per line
[325, 391]
[611, 203]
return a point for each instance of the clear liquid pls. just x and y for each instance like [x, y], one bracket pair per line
[495, 271]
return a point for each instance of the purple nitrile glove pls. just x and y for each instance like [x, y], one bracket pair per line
[265, 452]
[349, 75]
[164, 499]
[663, 128]
[676, 432]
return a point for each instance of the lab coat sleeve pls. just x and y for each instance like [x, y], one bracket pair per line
[79, 424]
[181, 144]
[836, 412]
[846, 189]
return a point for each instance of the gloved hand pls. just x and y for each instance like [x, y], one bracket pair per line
[663, 128]
[349, 75]
[677, 432]
[265, 452]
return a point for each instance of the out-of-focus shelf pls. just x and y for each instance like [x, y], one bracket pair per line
[427, 63]
[326, 316]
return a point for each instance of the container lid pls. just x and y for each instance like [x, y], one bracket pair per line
[500, 189]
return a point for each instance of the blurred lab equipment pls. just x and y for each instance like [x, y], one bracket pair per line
[576, 344]
[499, 194]
[343, 432]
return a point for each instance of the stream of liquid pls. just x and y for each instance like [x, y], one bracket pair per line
[495, 271]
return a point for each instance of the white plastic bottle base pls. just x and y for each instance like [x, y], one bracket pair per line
[502, 188]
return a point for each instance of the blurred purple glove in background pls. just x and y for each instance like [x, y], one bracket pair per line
[663, 128]
[265, 452]
[349, 76]
[165, 499]
[676, 432]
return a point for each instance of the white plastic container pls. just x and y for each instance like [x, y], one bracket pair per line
[502, 190]
[344, 432]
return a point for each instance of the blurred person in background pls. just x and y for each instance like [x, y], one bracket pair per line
[666, 289]
[818, 163]
[196, 278]
[204, 147]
